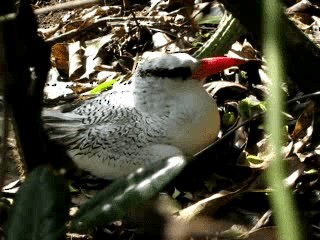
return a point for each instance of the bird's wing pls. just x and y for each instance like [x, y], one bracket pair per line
[110, 106]
[117, 141]
[107, 124]
[120, 96]
[112, 150]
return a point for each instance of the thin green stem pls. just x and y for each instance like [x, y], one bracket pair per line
[281, 200]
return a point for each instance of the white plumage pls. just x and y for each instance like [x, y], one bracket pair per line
[162, 113]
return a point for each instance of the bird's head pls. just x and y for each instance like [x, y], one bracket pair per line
[173, 66]
[183, 66]
[162, 78]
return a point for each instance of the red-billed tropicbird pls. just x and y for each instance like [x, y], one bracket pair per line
[163, 112]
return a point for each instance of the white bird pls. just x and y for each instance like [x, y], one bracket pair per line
[163, 112]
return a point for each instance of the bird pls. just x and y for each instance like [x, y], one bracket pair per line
[163, 111]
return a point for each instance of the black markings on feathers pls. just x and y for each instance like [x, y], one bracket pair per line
[178, 72]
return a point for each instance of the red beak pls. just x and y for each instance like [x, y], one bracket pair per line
[211, 66]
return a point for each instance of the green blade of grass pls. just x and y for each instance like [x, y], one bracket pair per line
[103, 86]
[281, 200]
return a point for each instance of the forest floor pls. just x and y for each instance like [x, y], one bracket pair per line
[223, 193]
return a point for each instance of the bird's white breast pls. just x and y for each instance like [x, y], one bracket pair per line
[197, 120]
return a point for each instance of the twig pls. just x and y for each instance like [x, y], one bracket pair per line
[135, 19]
[70, 34]
[303, 97]
[229, 133]
[113, 21]
[68, 6]
[262, 221]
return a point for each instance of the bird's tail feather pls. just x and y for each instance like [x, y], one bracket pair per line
[63, 127]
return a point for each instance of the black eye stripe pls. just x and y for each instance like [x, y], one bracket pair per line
[178, 72]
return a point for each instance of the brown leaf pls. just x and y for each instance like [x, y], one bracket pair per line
[210, 205]
[81, 87]
[60, 57]
[226, 89]
[200, 226]
[269, 233]
[244, 50]
[304, 122]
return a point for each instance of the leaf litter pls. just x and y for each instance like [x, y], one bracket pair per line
[98, 47]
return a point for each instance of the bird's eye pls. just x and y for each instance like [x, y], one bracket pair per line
[178, 72]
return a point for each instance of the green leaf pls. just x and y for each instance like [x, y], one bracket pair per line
[113, 202]
[253, 159]
[229, 30]
[211, 20]
[228, 119]
[104, 86]
[41, 208]
[251, 106]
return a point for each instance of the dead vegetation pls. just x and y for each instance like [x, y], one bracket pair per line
[221, 195]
